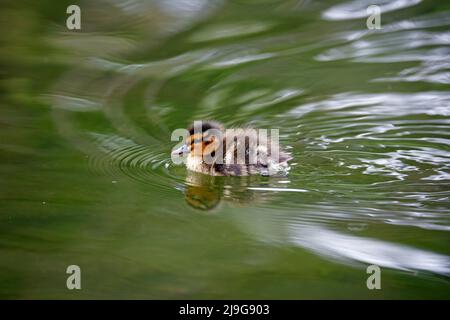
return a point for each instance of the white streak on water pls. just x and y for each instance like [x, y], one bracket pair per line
[350, 248]
[277, 189]
[357, 9]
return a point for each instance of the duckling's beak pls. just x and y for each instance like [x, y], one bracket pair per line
[181, 150]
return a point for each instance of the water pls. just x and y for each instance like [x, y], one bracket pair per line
[86, 175]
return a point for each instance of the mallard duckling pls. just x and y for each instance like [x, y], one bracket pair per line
[212, 150]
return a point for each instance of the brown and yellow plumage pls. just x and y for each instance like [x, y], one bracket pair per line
[237, 152]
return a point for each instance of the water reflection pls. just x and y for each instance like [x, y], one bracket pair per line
[357, 9]
[365, 114]
[206, 192]
[351, 249]
[202, 192]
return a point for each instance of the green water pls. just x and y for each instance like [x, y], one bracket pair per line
[86, 176]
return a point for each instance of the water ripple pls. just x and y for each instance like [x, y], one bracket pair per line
[357, 9]
[365, 115]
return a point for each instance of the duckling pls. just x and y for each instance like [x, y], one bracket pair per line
[215, 151]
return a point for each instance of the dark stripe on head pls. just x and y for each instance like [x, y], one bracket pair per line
[205, 126]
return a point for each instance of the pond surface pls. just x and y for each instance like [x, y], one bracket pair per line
[87, 179]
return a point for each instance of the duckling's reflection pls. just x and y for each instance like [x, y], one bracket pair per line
[205, 192]
[201, 191]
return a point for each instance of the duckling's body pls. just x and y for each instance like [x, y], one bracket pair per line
[236, 152]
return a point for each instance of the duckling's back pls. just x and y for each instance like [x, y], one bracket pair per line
[246, 152]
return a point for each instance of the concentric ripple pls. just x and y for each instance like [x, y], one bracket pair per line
[121, 155]
[366, 116]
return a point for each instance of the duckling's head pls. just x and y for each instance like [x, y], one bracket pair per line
[201, 145]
